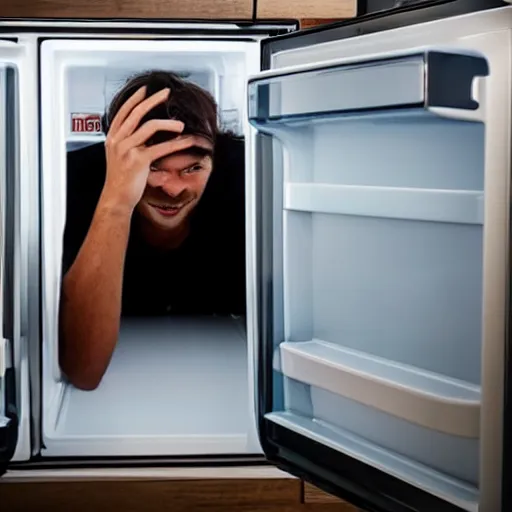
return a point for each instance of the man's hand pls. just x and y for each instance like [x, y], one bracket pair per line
[128, 158]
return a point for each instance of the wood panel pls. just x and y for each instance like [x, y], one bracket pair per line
[315, 22]
[165, 9]
[313, 495]
[301, 9]
[219, 495]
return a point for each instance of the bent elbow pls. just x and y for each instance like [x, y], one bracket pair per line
[83, 380]
[82, 376]
[84, 383]
[83, 362]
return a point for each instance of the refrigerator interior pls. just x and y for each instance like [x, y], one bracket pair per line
[378, 241]
[175, 386]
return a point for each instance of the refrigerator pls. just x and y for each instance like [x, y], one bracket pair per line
[373, 357]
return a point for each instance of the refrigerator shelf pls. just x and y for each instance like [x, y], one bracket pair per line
[456, 206]
[92, 138]
[383, 82]
[418, 396]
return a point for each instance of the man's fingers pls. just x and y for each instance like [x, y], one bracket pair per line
[149, 128]
[173, 146]
[135, 116]
[126, 108]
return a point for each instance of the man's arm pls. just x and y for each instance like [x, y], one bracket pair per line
[91, 298]
[91, 290]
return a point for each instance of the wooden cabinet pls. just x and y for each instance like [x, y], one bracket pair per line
[300, 9]
[163, 9]
[314, 496]
[180, 9]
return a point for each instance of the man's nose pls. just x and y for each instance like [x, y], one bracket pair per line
[170, 183]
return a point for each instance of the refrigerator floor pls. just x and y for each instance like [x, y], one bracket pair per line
[174, 387]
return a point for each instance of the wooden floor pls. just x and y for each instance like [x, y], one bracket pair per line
[244, 495]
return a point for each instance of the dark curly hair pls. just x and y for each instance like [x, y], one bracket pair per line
[187, 102]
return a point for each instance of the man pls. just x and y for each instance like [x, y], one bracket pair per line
[155, 221]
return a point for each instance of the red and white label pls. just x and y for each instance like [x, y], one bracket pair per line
[85, 123]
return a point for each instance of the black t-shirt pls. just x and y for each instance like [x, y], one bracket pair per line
[206, 274]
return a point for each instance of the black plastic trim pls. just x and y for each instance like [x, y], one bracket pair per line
[9, 433]
[178, 37]
[361, 485]
[265, 285]
[362, 7]
[506, 476]
[371, 23]
[254, 10]
[39, 424]
[457, 70]
[204, 27]
[11, 158]
[140, 462]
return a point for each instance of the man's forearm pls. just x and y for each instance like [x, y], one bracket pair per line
[91, 298]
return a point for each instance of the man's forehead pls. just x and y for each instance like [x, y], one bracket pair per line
[190, 154]
[195, 146]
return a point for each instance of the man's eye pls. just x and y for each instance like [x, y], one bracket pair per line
[194, 168]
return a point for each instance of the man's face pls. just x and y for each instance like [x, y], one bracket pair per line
[175, 185]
